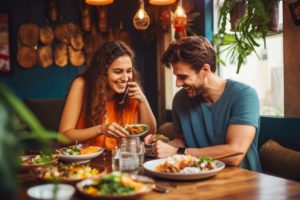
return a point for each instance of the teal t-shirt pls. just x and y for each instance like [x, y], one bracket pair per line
[204, 124]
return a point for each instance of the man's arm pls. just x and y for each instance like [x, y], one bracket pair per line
[238, 139]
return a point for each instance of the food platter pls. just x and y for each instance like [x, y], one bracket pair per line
[93, 188]
[151, 167]
[69, 173]
[137, 130]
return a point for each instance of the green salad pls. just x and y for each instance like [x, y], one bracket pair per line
[42, 159]
[115, 183]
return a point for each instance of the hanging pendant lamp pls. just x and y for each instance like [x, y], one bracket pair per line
[141, 19]
[180, 18]
[99, 2]
[161, 2]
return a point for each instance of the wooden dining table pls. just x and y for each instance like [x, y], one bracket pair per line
[230, 183]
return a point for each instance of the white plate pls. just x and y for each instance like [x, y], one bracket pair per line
[80, 158]
[140, 134]
[46, 191]
[151, 165]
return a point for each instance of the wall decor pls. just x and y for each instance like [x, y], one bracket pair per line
[4, 43]
[295, 11]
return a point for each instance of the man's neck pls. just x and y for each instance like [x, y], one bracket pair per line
[214, 88]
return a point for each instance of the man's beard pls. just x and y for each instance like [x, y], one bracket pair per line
[192, 92]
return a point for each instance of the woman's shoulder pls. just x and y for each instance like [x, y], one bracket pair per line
[78, 82]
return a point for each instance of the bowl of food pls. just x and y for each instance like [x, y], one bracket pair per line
[69, 173]
[78, 153]
[116, 185]
[51, 191]
[136, 130]
[33, 161]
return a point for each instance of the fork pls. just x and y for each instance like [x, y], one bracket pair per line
[125, 94]
[155, 187]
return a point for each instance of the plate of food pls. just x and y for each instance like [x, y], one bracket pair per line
[69, 173]
[116, 185]
[184, 167]
[32, 161]
[136, 130]
[78, 153]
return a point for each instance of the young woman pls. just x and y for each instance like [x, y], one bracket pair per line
[93, 112]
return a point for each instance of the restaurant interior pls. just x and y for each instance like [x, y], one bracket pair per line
[33, 74]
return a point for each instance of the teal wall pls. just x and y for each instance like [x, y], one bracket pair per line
[37, 82]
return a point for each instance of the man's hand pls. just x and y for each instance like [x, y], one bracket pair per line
[163, 150]
[149, 138]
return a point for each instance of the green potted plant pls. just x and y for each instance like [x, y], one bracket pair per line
[252, 25]
[14, 116]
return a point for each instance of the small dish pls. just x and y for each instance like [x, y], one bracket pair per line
[51, 191]
[137, 130]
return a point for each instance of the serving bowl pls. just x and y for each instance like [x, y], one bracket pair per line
[51, 191]
[80, 158]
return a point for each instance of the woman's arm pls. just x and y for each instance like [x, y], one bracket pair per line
[145, 115]
[71, 113]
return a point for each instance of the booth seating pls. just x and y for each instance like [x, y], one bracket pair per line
[48, 111]
[280, 161]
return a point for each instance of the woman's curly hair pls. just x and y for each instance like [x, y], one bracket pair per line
[96, 80]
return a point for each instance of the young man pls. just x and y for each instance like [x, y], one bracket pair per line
[211, 116]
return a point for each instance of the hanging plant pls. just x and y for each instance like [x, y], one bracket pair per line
[251, 26]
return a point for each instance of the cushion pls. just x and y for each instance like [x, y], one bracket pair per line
[166, 129]
[280, 161]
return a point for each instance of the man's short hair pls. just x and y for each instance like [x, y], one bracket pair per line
[193, 50]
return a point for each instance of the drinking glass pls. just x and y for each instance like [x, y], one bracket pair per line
[141, 152]
[128, 158]
[115, 153]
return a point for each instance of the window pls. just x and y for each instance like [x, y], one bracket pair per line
[265, 73]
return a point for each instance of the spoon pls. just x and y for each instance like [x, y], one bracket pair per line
[125, 94]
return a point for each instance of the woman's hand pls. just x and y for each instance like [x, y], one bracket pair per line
[114, 130]
[135, 92]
